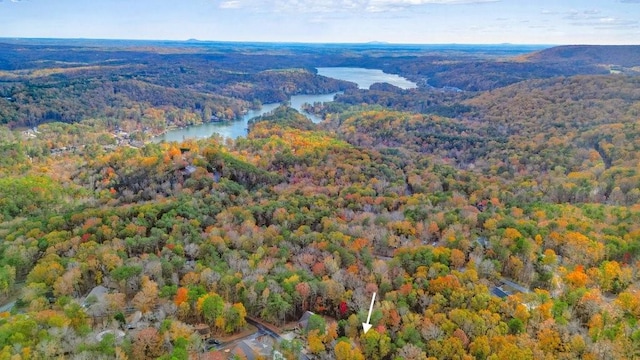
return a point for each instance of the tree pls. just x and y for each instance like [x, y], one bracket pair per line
[146, 299]
[291, 349]
[376, 345]
[234, 316]
[77, 316]
[480, 347]
[181, 296]
[211, 306]
[276, 309]
[411, 352]
[46, 272]
[125, 274]
[147, 344]
[115, 301]
[68, 283]
[577, 278]
[7, 279]
[457, 258]
[516, 326]
[317, 322]
[315, 342]
[303, 291]
[344, 350]
[549, 340]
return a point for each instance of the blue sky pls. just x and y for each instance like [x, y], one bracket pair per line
[396, 21]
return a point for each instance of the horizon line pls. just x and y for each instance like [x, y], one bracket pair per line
[373, 42]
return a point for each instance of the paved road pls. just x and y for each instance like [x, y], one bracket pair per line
[262, 329]
[7, 307]
[515, 286]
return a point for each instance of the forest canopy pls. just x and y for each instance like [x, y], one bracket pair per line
[496, 220]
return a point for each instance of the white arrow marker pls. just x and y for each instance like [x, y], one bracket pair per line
[366, 326]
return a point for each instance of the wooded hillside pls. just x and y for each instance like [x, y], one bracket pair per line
[500, 224]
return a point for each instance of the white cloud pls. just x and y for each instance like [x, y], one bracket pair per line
[597, 20]
[393, 5]
[336, 6]
[426, 2]
[231, 4]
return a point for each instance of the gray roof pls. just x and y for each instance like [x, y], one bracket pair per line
[499, 292]
[99, 292]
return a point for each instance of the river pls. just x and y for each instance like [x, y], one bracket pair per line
[233, 129]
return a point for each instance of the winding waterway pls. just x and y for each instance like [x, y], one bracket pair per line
[365, 77]
[233, 129]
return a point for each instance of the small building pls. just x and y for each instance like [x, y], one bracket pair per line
[484, 242]
[303, 323]
[260, 347]
[497, 291]
[203, 330]
[96, 295]
[189, 170]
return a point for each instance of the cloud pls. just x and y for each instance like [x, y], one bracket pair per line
[426, 2]
[547, 12]
[231, 4]
[595, 19]
[339, 6]
[393, 5]
[585, 15]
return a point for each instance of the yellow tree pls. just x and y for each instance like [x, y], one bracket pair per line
[577, 278]
[345, 351]
[147, 298]
[315, 342]
[457, 258]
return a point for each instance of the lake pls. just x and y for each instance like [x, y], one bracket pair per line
[365, 77]
[233, 129]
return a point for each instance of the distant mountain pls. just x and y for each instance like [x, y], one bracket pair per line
[621, 55]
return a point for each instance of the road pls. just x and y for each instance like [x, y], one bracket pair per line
[8, 306]
[264, 330]
[518, 287]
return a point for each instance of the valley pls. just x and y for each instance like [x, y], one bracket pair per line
[490, 198]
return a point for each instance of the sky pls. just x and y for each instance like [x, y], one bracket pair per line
[548, 22]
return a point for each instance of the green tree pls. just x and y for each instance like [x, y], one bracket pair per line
[317, 322]
[7, 279]
[234, 317]
[376, 346]
[211, 307]
[276, 309]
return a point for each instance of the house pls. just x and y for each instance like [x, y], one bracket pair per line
[256, 348]
[484, 242]
[303, 323]
[498, 292]
[188, 170]
[203, 330]
[96, 295]
[119, 334]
